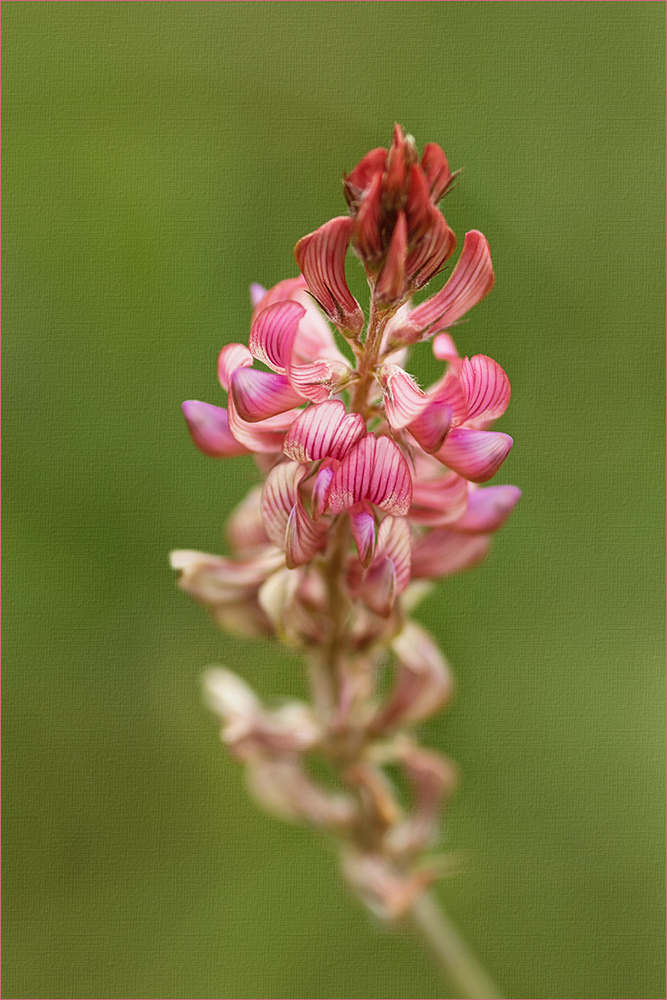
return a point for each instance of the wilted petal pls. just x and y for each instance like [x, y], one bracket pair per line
[374, 470]
[321, 258]
[282, 787]
[475, 455]
[487, 388]
[403, 399]
[244, 528]
[273, 333]
[231, 357]
[258, 394]
[430, 254]
[432, 778]
[471, 280]
[442, 552]
[390, 285]
[423, 683]
[388, 892]
[432, 426]
[215, 580]
[488, 509]
[439, 501]
[362, 522]
[323, 431]
[435, 166]
[209, 429]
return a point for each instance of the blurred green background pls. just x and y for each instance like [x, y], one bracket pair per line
[158, 158]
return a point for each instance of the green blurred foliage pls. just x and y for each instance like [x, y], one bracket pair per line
[158, 158]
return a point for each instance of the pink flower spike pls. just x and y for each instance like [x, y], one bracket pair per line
[403, 399]
[231, 357]
[443, 552]
[390, 285]
[273, 333]
[374, 470]
[209, 429]
[475, 455]
[435, 166]
[487, 389]
[432, 426]
[471, 280]
[488, 509]
[430, 254]
[362, 522]
[258, 395]
[321, 259]
[257, 293]
[323, 431]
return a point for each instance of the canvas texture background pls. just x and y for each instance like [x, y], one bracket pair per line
[158, 157]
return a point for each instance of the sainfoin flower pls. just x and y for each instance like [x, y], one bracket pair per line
[371, 486]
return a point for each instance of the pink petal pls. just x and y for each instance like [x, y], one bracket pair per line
[258, 395]
[430, 254]
[435, 166]
[439, 501]
[391, 282]
[231, 357]
[285, 519]
[214, 580]
[475, 455]
[282, 292]
[374, 470]
[432, 426]
[444, 348]
[321, 258]
[263, 436]
[394, 542]
[323, 431]
[209, 429]
[362, 522]
[450, 391]
[471, 280]
[488, 509]
[318, 380]
[321, 488]
[442, 552]
[487, 388]
[273, 333]
[403, 399]
[378, 588]
[314, 339]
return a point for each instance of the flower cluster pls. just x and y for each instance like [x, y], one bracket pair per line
[372, 486]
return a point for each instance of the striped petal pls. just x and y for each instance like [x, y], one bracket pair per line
[378, 588]
[318, 380]
[488, 509]
[231, 357]
[321, 259]
[273, 333]
[403, 399]
[450, 391]
[258, 394]
[432, 426]
[431, 252]
[475, 455]
[262, 436]
[314, 338]
[362, 522]
[356, 182]
[321, 488]
[443, 552]
[471, 280]
[439, 501]
[209, 429]
[323, 431]
[303, 538]
[374, 470]
[486, 387]
[285, 519]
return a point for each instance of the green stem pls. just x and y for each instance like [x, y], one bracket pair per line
[451, 951]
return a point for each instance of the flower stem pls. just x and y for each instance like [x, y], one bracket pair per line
[451, 951]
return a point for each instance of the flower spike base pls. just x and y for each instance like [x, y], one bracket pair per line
[372, 489]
